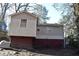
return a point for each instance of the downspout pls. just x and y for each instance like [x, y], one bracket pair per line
[37, 21]
[63, 37]
[36, 25]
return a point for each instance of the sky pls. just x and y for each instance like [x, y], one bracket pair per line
[52, 13]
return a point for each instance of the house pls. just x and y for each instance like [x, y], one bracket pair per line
[25, 33]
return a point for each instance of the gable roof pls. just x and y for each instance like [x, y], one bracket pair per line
[23, 12]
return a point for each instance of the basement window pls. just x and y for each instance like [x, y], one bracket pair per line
[23, 22]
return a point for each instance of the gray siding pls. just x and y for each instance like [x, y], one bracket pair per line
[46, 32]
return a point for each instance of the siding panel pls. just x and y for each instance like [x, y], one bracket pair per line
[16, 30]
[46, 32]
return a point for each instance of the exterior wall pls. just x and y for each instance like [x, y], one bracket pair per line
[21, 42]
[47, 36]
[45, 43]
[50, 32]
[16, 30]
[31, 42]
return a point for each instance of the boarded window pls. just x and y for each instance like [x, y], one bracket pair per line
[23, 22]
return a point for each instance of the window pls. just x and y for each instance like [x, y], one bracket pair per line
[23, 22]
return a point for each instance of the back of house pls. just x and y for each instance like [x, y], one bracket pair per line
[25, 33]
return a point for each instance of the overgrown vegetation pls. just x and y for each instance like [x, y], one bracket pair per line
[70, 20]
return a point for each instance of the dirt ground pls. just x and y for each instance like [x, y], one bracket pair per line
[35, 52]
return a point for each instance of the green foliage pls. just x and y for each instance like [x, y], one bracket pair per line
[70, 21]
[73, 43]
[1, 20]
[4, 38]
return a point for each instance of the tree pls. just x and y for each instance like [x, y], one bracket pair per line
[3, 9]
[20, 6]
[66, 11]
[36, 9]
[76, 13]
[69, 21]
[40, 11]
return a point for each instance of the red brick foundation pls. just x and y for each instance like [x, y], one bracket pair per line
[31, 42]
[21, 42]
[48, 43]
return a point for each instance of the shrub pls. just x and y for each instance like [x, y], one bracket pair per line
[72, 42]
[4, 38]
